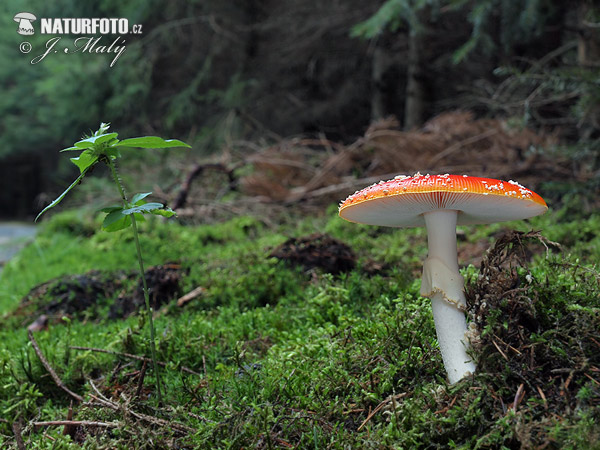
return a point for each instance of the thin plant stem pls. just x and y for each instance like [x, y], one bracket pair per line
[138, 247]
[148, 308]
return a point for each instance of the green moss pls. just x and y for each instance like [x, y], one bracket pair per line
[273, 355]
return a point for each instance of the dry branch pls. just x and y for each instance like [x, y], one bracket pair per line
[387, 401]
[103, 401]
[195, 293]
[458, 145]
[70, 430]
[317, 172]
[142, 375]
[50, 370]
[464, 144]
[196, 171]
[347, 186]
[77, 423]
[16, 427]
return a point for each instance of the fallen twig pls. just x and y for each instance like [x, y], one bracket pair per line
[190, 296]
[70, 430]
[16, 427]
[353, 183]
[319, 178]
[50, 370]
[518, 396]
[195, 172]
[77, 423]
[103, 401]
[447, 408]
[391, 398]
[142, 375]
[458, 145]
[542, 396]
[593, 379]
[498, 348]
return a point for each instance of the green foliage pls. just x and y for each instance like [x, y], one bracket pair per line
[17, 399]
[104, 147]
[392, 15]
[519, 23]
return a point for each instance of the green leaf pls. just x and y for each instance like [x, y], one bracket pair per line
[146, 207]
[115, 213]
[165, 212]
[115, 220]
[61, 196]
[112, 152]
[110, 209]
[137, 197]
[390, 16]
[70, 149]
[459, 55]
[152, 142]
[95, 140]
[85, 160]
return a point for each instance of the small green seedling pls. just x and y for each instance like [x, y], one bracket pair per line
[104, 147]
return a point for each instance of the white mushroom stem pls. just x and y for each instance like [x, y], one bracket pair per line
[443, 283]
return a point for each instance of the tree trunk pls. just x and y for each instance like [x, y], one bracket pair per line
[588, 42]
[381, 63]
[414, 106]
[588, 56]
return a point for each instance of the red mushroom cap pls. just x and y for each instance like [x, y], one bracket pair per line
[402, 201]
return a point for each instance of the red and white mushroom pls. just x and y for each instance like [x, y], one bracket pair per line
[440, 202]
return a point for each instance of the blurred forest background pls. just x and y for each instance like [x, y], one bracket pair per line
[315, 93]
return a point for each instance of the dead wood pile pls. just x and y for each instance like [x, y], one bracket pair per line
[319, 172]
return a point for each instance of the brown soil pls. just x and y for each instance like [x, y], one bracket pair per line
[317, 251]
[84, 295]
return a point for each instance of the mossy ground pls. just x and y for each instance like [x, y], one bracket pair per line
[271, 355]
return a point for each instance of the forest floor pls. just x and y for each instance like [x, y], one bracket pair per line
[282, 329]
